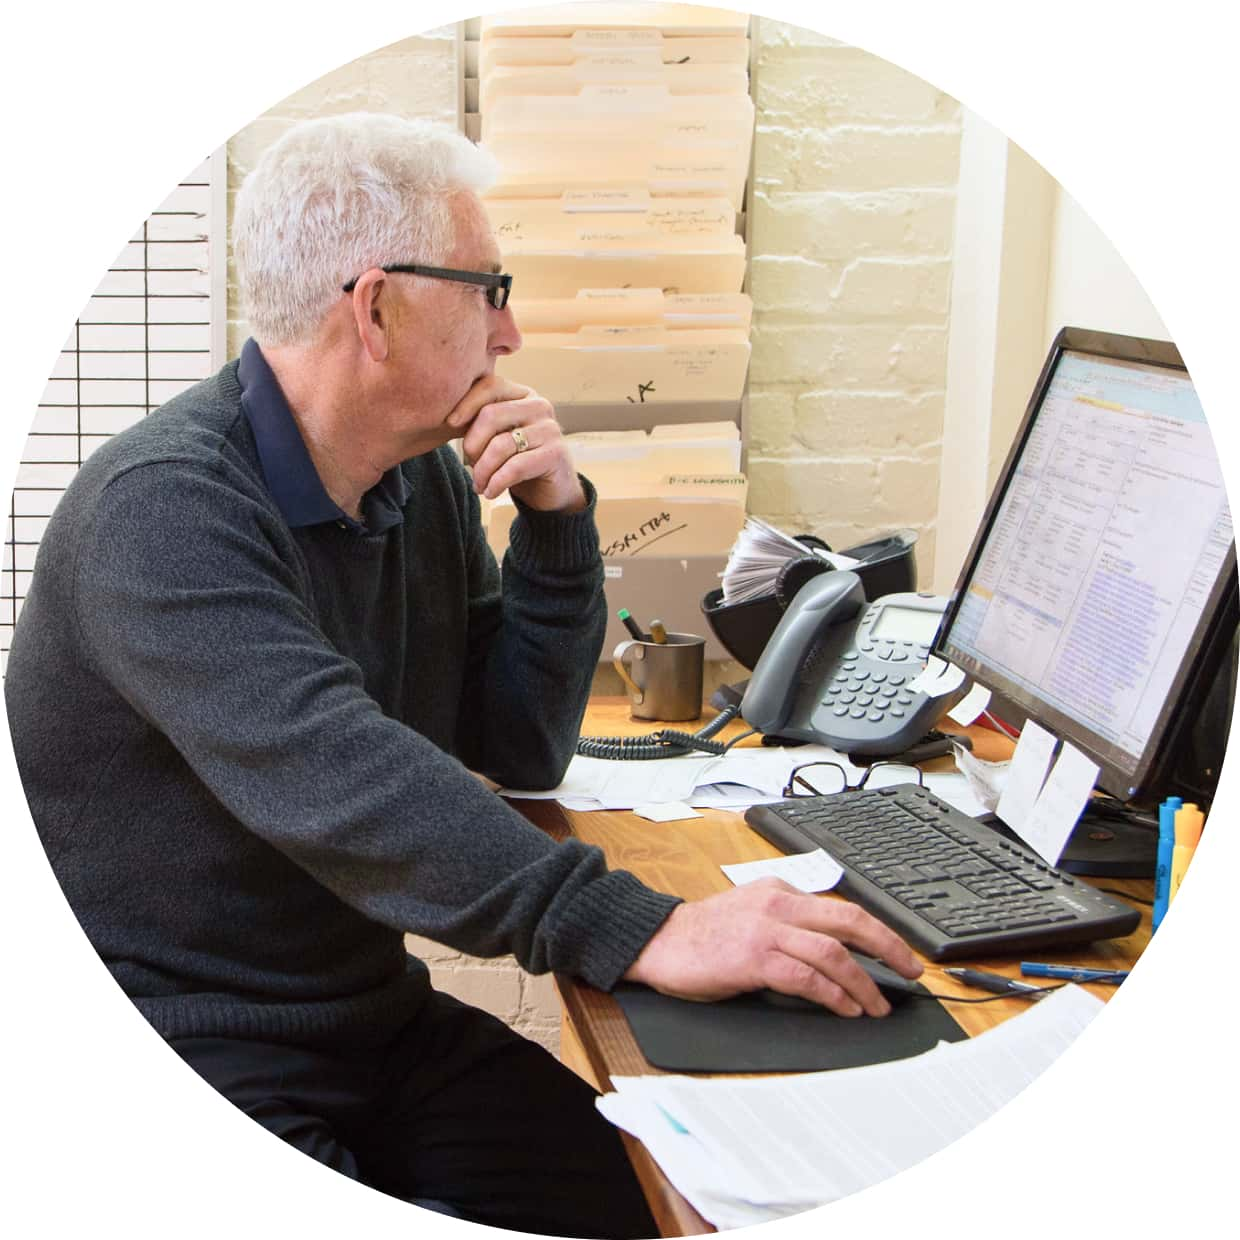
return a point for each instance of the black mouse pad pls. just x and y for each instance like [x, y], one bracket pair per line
[759, 1033]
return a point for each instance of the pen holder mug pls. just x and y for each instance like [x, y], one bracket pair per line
[663, 679]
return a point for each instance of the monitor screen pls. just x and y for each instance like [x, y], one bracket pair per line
[1104, 555]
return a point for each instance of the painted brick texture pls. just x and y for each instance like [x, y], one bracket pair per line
[855, 168]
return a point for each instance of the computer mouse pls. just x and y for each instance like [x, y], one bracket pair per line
[894, 987]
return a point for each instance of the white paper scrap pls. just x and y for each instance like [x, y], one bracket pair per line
[1026, 775]
[935, 667]
[938, 678]
[986, 779]
[666, 811]
[1059, 804]
[970, 706]
[811, 871]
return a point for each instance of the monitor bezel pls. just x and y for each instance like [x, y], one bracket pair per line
[1010, 701]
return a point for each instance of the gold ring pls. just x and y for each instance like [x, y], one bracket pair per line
[518, 437]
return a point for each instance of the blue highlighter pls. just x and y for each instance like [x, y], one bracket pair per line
[1166, 846]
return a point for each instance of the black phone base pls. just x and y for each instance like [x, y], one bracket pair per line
[1103, 845]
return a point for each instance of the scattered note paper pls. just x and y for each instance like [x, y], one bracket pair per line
[937, 678]
[811, 871]
[1059, 804]
[666, 811]
[1026, 775]
[985, 779]
[970, 706]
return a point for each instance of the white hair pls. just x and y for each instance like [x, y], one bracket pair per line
[337, 196]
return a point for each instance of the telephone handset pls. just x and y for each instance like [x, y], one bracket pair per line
[837, 670]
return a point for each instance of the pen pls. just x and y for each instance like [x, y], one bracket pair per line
[1070, 973]
[658, 633]
[1166, 846]
[995, 982]
[626, 618]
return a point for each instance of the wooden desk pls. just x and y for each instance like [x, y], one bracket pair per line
[683, 858]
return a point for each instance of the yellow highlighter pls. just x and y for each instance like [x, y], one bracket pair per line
[1188, 823]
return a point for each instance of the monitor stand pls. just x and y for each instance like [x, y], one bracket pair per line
[1102, 846]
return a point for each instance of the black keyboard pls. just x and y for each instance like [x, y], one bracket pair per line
[947, 884]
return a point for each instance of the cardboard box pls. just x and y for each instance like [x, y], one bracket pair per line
[696, 515]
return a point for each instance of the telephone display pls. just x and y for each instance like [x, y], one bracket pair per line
[837, 669]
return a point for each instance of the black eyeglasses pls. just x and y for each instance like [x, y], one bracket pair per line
[831, 778]
[497, 285]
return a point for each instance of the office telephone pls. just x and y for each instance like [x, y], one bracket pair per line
[837, 669]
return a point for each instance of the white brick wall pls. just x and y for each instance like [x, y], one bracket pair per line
[855, 166]
[855, 174]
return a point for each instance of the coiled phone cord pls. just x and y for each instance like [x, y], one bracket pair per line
[666, 743]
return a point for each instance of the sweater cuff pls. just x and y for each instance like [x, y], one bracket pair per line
[557, 541]
[605, 928]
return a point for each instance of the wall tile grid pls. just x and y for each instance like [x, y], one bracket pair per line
[143, 336]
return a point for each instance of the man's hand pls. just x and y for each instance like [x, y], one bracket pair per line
[541, 475]
[769, 934]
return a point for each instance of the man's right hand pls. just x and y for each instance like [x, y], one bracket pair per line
[768, 934]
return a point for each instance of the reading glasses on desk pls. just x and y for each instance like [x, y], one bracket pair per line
[830, 778]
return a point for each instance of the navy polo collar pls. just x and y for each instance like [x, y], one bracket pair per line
[287, 468]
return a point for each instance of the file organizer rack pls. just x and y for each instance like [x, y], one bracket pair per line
[669, 587]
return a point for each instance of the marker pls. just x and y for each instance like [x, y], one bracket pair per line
[995, 982]
[658, 633]
[1068, 973]
[1188, 823]
[1166, 845]
[626, 618]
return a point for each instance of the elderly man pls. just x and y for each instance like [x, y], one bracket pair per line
[264, 648]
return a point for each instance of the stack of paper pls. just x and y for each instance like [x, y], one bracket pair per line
[618, 238]
[749, 1151]
[606, 95]
[676, 490]
[635, 346]
[758, 555]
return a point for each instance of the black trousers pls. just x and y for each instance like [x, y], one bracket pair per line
[457, 1111]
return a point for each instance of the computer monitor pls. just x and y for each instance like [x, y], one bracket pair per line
[1099, 597]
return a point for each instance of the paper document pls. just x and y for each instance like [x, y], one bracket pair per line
[971, 705]
[747, 1151]
[812, 871]
[635, 46]
[599, 17]
[938, 678]
[667, 811]
[1026, 774]
[1059, 804]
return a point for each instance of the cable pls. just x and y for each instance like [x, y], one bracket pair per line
[665, 743]
[1126, 895]
[1015, 994]
[1007, 731]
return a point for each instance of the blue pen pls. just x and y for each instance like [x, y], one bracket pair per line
[1069, 973]
[1166, 847]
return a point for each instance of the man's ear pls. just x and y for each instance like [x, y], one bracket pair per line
[372, 313]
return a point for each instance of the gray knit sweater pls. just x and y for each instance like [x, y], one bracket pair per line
[245, 745]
